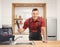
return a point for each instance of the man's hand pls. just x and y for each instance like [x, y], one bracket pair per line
[43, 29]
[44, 41]
[20, 30]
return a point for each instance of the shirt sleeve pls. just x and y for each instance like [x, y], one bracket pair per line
[25, 24]
[43, 23]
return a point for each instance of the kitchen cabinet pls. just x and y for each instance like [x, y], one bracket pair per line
[51, 29]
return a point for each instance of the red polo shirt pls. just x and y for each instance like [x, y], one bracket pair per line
[34, 24]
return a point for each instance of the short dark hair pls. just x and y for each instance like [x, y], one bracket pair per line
[35, 9]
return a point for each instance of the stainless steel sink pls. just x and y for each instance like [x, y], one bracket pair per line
[23, 43]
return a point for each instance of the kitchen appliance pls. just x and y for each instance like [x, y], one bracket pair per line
[51, 29]
[6, 35]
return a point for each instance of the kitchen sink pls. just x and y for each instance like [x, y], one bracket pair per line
[23, 43]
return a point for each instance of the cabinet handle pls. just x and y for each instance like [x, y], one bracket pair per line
[51, 36]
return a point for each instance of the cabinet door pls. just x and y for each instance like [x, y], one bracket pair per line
[51, 28]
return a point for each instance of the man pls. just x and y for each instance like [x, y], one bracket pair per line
[36, 25]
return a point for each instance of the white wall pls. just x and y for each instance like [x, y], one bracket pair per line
[58, 20]
[29, 1]
[6, 12]
[51, 9]
[0, 13]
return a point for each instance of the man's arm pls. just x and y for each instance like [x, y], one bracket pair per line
[43, 30]
[24, 26]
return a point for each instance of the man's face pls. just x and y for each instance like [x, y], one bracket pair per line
[35, 14]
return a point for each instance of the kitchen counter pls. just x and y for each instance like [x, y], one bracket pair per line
[37, 44]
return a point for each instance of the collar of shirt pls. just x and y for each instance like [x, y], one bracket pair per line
[37, 20]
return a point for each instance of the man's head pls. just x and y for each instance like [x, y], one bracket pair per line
[35, 13]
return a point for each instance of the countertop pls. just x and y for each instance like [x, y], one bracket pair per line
[37, 44]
